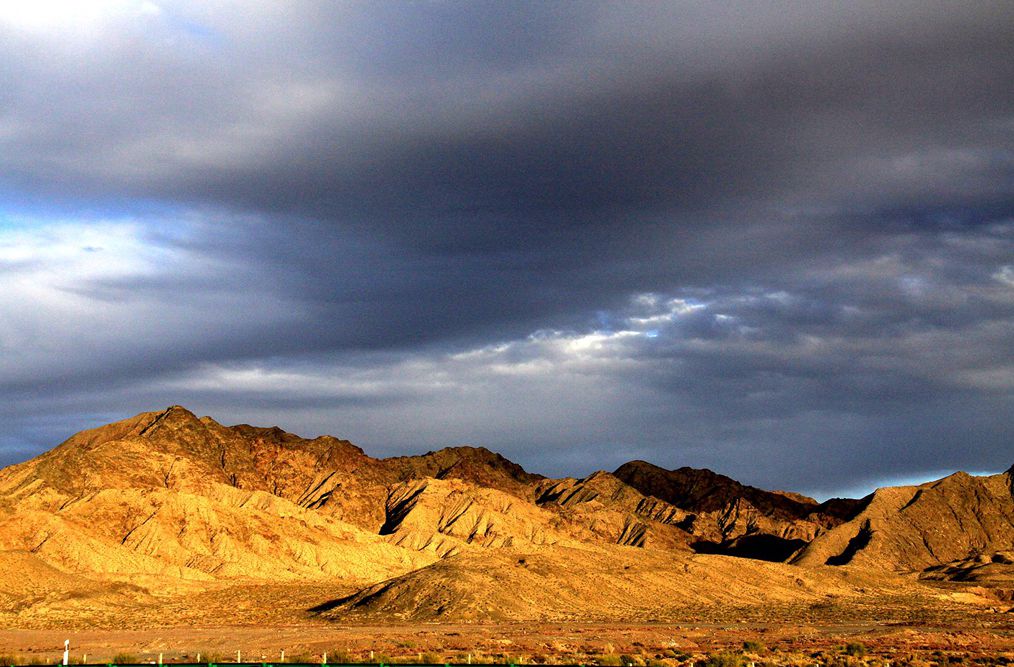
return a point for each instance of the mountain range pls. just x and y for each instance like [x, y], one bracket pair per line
[166, 505]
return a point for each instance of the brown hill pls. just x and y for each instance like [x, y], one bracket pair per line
[477, 465]
[701, 490]
[32, 590]
[912, 528]
[610, 511]
[447, 516]
[169, 495]
[566, 583]
[169, 504]
[725, 516]
[995, 570]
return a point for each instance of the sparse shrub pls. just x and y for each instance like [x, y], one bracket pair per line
[724, 660]
[8, 660]
[124, 659]
[753, 647]
[676, 654]
[629, 660]
[609, 660]
[431, 659]
[340, 657]
[855, 649]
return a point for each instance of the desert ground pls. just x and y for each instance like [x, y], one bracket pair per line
[168, 535]
[262, 621]
[978, 641]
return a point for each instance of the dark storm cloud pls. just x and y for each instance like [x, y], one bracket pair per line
[232, 207]
[433, 122]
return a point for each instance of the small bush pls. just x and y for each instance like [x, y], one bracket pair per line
[609, 660]
[724, 660]
[854, 649]
[8, 660]
[340, 657]
[124, 659]
[431, 659]
[753, 647]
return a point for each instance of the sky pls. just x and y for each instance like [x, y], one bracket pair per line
[773, 239]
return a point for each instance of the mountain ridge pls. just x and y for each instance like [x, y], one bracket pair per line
[166, 500]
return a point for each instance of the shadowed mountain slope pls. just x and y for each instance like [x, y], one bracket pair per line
[701, 490]
[728, 517]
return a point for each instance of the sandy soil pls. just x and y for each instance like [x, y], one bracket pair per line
[529, 643]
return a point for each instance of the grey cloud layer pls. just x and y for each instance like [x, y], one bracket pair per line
[351, 189]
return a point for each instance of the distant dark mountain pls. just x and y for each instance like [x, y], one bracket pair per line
[735, 519]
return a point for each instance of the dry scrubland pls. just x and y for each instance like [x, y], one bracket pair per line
[724, 645]
[168, 533]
